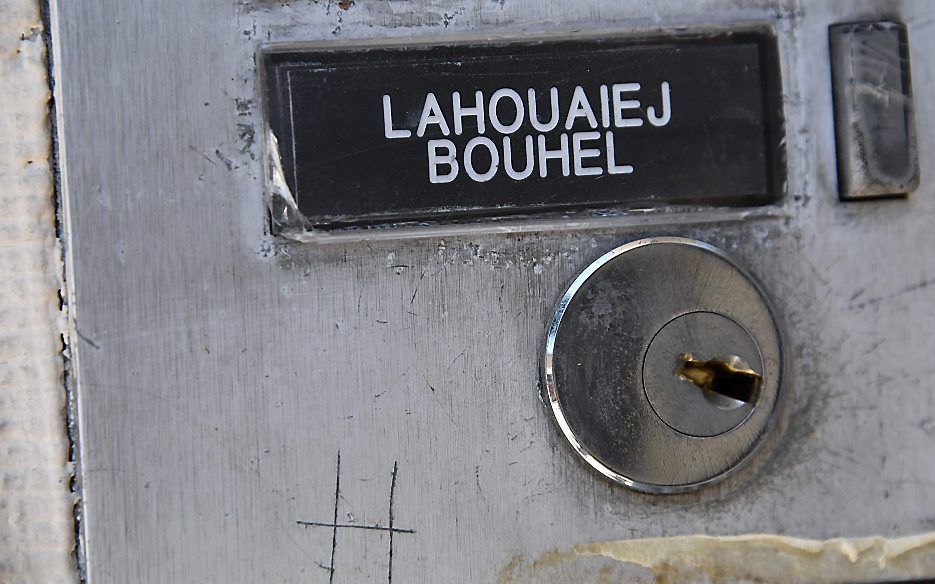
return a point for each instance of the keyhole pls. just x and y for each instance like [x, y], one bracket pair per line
[726, 381]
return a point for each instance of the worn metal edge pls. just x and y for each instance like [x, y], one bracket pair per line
[64, 233]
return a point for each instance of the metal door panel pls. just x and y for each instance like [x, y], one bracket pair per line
[221, 372]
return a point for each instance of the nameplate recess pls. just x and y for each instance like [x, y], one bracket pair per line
[436, 133]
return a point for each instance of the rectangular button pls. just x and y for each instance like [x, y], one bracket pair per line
[873, 111]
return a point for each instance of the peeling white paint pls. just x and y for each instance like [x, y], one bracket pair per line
[36, 520]
[774, 558]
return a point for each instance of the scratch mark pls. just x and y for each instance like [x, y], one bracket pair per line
[205, 156]
[375, 527]
[461, 354]
[877, 300]
[334, 527]
[416, 291]
[389, 574]
[228, 162]
[86, 338]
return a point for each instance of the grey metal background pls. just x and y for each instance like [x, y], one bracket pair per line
[220, 371]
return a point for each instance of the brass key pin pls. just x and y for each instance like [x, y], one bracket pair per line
[727, 376]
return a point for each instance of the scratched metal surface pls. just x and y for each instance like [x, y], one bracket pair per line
[221, 373]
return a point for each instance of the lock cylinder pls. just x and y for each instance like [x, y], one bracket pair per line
[663, 365]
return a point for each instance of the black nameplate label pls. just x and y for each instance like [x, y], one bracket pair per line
[437, 133]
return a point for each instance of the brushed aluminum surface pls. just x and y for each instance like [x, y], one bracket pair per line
[219, 370]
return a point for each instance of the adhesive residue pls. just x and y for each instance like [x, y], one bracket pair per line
[774, 558]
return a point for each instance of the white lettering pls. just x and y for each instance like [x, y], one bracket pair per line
[580, 107]
[388, 129]
[432, 114]
[508, 159]
[495, 119]
[612, 167]
[662, 120]
[469, 160]
[534, 118]
[561, 154]
[620, 104]
[581, 153]
[590, 151]
[605, 107]
[434, 160]
[461, 112]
